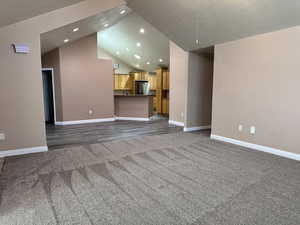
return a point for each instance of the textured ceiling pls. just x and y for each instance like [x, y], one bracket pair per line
[55, 38]
[12, 11]
[121, 41]
[216, 21]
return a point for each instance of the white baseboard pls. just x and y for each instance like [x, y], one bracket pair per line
[84, 121]
[133, 118]
[262, 148]
[23, 151]
[190, 129]
[180, 124]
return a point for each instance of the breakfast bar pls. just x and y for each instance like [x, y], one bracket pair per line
[133, 107]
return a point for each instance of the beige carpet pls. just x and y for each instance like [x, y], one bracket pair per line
[170, 179]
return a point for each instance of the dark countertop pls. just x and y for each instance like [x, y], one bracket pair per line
[133, 95]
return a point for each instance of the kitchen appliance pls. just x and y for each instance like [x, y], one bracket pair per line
[142, 87]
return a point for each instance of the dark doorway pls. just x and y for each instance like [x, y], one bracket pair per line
[48, 96]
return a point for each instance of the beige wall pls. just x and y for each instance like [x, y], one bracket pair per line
[52, 60]
[86, 81]
[178, 82]
[21, 102]
[191, 77]
[257, 83]
[199, 90]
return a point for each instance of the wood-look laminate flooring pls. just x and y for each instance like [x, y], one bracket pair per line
[61, 136]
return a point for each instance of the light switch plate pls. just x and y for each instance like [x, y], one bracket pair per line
[240, 128]
[252, 130]
[2, 136]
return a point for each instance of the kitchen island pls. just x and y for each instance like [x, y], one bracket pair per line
[133, 107]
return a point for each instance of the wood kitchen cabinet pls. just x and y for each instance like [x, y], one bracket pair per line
[152, 81]
[159, 80]
[140, 76]
[166, 81]
[123, 82]
[162, 91]
[165, 106]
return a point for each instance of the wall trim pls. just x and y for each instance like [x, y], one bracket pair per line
[180, 124]
[262, 148]
[64, 123]
[133, 118]
[190, 129]
[23, 151]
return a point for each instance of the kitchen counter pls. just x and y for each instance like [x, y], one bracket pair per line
[134, 107]
[133, 95]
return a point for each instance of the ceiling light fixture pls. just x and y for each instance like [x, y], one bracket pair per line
[123, 11]
[137, 56]
[76, 29]
[138, 44]
[66, 40]
[142, 30]
[161, 60]
[106, 25]
[127, 49]
[118, 53]
[148, 63]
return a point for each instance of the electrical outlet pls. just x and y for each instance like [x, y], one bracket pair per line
[240, 128]
[91, 112]
[252, 130]
[2, 136]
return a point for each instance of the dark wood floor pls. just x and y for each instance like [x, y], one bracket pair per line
[61, 136]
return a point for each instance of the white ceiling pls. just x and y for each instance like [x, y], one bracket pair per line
[12, 11]
[55, 38]
[121, 41]
[216, 21]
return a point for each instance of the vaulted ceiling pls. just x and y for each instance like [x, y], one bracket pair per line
[146, 50]
[216, 21]
[12, 11]
[119, 33]
[93, 24]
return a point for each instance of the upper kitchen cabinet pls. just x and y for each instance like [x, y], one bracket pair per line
[123, 82]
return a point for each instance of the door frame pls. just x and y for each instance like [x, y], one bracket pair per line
[53, 89]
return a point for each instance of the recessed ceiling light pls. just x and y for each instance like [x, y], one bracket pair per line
[66, 40]
[127, 49]
[123, 11]
[161, 60]
[137, 56]
[76, 29]
[106, 25]
[118, 53]
[148, 63]
[142, 30]
[138, 44]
